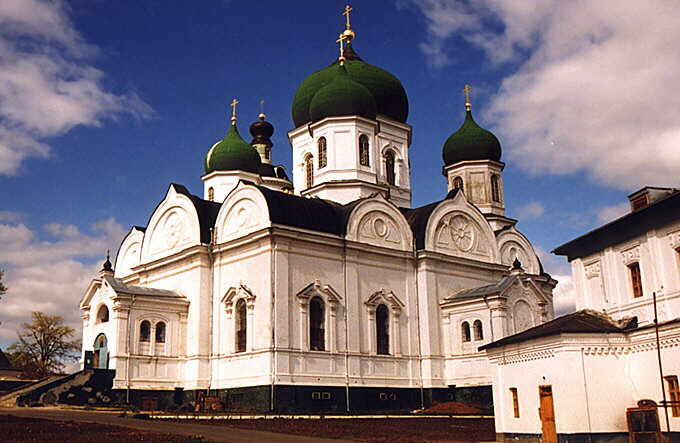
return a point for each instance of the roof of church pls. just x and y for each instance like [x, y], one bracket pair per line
[121, 288]
[471, 142]
[585, 321]
[659, 213]
[417, 218]
[207, 211]
[481, 291]
[4, 361]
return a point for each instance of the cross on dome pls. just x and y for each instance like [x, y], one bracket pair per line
[348, 34]
[466, 91]
[233, 104]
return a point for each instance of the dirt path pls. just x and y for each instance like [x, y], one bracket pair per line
[216, 433]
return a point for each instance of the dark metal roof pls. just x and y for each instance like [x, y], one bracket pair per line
[631, 225]
[417, 218]
[585, 321]
[482, 291]
[121, 288]
[207, 211]
[4, 361]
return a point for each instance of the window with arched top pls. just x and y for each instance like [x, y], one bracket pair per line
[458, 183]
[465, 331]
[323, 152]
[364, 158]
[495, 188]
[382, 317]
[477, 327]
[241, 325]
[103, 314]
[145, 331]
[211, 194]
[317, 330]
[390, 173]
[309, 171]
[160, 332]
[267, 153]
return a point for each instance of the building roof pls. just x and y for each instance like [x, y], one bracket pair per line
[471, 142]
[500, 286]
[581, 322]
[232, 153]
[342, 96]
[417, 218]
[207, 211]
[659, 213]
[121, 288]
[4, 361]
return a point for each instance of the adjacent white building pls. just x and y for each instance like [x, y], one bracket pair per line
[573, 378]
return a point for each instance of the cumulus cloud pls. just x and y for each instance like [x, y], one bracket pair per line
[47, 85]
[564, 296]
[592, 86]
[610, 213]
[50, 275]
[530, 210]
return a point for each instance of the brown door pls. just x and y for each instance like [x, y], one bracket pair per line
[547, 413]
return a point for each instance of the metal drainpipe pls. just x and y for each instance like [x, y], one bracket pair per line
[129, 350]
[420, 349]
[272, 280]
[211, 261]
[585, 389]
[344, 272]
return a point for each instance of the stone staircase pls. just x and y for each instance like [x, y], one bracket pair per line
[86, 387]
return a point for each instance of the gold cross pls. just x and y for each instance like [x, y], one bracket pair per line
[467, 90]
[341, 40]
[348, 9]
[233, 104]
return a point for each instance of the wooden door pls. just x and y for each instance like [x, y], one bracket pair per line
[547, 413]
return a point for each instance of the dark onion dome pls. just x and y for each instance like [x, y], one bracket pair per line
[342, 96]
[261, 131]
[232, 153]
[471, 142]
[386, 89]
[267, 170]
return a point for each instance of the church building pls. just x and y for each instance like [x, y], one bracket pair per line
[328, 291]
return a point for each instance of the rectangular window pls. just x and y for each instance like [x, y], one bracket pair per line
[316, 395]
[326, 396]
[515, 402]
[674, 394]
[635, 279]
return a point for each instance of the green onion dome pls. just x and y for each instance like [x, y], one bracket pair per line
[471, 142]
[232, 153]
[342, 96]
[386, 89]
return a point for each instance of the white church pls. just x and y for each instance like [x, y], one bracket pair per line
[327, 292]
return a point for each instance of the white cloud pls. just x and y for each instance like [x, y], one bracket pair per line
[610, 213]
[530, 210]
[10, 216]
[47, 86]
[564, 296]
[594, 88]
[50, 276]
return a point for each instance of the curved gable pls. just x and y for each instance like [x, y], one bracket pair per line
[244, 211]
[130, 252]
[174, 226]
[378, 222]
[512, 244]
[457, 228]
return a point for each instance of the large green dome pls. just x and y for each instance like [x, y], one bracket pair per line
[232, 153]
[471, 142]
[387, 91]
[342, 96]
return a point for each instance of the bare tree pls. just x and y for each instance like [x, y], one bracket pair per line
[44, 346]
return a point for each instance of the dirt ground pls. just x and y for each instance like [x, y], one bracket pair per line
[377, 430]
[33, 430]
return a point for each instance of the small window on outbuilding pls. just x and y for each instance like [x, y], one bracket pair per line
[211, 194]
[323, 152]
[160, 332]
[495, 188]
[103, 314]
[515, 402]
[465, 331]
[145, 331]
[364, 158]
[635, 279]
[477, 327]
[674, 394]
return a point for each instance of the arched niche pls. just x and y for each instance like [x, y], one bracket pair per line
[173, 226]
[129, 253]
[512, 244]
[245, 210]
[377, 222]
[457, 228]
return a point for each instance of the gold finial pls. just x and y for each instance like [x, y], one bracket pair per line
[262, 116]
[348, 33]
[341, 40]
[467, 90]
[233, 104]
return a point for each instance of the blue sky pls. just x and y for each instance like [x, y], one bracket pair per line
[103, 104]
